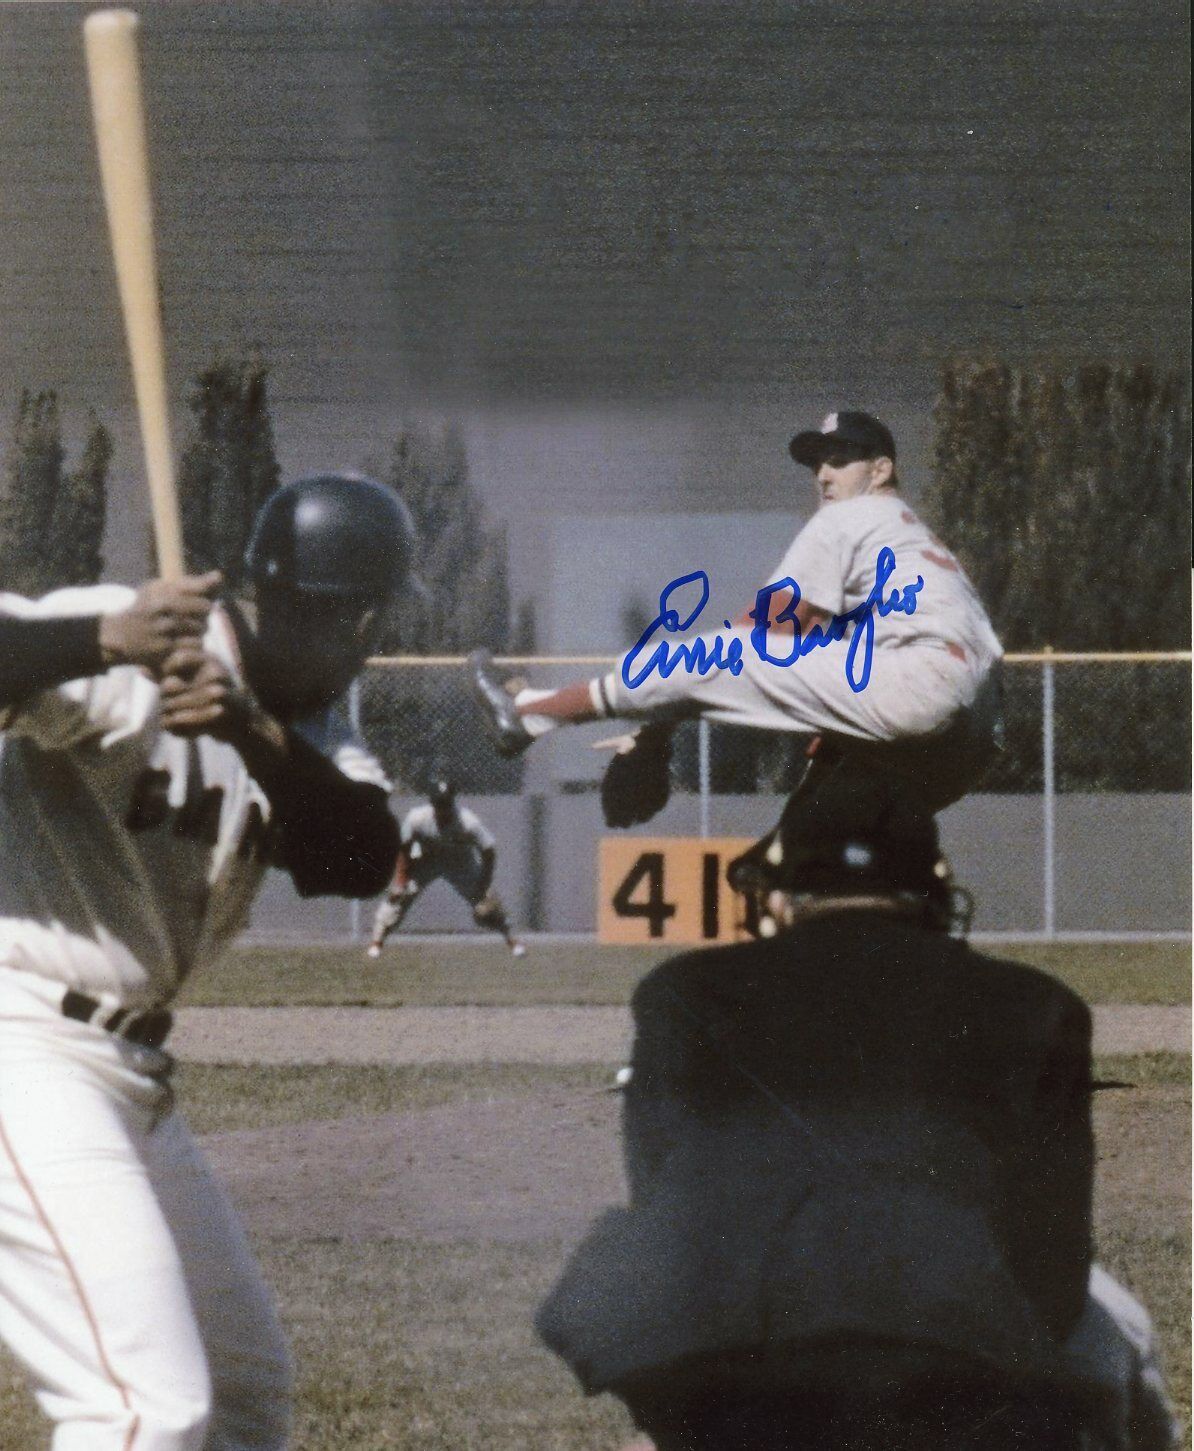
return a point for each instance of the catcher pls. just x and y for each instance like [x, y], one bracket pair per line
[444, 839]
[868, 629]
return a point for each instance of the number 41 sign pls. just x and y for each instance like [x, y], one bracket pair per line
[669, 890]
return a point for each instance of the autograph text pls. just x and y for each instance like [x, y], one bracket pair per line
[716, 652]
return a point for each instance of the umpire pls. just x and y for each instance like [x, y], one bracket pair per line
[860, 1163]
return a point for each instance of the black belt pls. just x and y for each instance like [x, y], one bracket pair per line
[148, 1030]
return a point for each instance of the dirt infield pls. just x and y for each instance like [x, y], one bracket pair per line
[549, 1035]
[540, 1166]
[524, 1173]
[515, 1169]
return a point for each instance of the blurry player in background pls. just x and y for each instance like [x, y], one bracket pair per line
[444, 839]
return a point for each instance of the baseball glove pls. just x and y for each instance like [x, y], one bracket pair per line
[488, 912]
[637, 782]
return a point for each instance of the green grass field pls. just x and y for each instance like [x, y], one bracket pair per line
[404, 1345]
[427, 973]
[416, 1344]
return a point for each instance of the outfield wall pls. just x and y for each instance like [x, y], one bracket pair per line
[1122, 863]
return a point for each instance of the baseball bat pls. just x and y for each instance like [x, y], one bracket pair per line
[114, 77]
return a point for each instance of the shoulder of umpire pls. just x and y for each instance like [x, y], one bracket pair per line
[852, 954]
[1029, 982]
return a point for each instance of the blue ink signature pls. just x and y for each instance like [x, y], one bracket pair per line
[715, 653]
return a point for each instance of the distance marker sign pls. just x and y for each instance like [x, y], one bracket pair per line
[669, 891]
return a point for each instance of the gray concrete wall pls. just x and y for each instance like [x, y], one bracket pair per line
[455, 211]
[1122, 863]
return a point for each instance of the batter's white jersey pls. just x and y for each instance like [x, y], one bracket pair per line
[446, 850]
[129, 856]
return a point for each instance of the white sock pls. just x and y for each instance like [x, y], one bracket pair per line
[599, 694]
[538, 725]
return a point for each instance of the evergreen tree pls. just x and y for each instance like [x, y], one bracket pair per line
[228, 466]
[523, 642]
[424, 720]
[1065, 493]
[79, 516]
[462, 559]
[51, 518]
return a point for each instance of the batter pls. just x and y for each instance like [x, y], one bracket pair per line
[160, 750]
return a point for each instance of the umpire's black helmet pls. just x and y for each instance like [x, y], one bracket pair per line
[339, 535]
[857, 834]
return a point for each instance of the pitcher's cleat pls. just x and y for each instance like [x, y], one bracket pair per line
[518, 949]
[512, 736]
[373, 950]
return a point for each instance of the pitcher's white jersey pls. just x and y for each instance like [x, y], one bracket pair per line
[833, 560]
[935, 673]
[129, 856]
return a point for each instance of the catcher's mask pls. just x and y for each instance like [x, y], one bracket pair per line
[856, 835]
[327, 556]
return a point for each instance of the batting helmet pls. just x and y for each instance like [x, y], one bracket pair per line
[332, 535]
[327, 555]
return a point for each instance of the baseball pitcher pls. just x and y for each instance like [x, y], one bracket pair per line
[867, 628]
[444, 839]
[161, 749]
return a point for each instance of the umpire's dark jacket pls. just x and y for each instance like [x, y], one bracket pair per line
[857, 1129]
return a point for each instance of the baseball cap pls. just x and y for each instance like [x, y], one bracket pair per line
[859, 432]
[442, 793]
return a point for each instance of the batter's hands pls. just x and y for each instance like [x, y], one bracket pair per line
[167, 615]
[199, 697]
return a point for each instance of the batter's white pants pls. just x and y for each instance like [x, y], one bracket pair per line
[127, 1287]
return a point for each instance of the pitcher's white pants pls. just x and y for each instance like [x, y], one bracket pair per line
[942, 713]
[913, 690]
[127, 1287]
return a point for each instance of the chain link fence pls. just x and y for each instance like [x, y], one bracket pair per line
[1073, 723]
[1081, 828]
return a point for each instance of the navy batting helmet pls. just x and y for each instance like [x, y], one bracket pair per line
[326, 557]
[332, 534]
